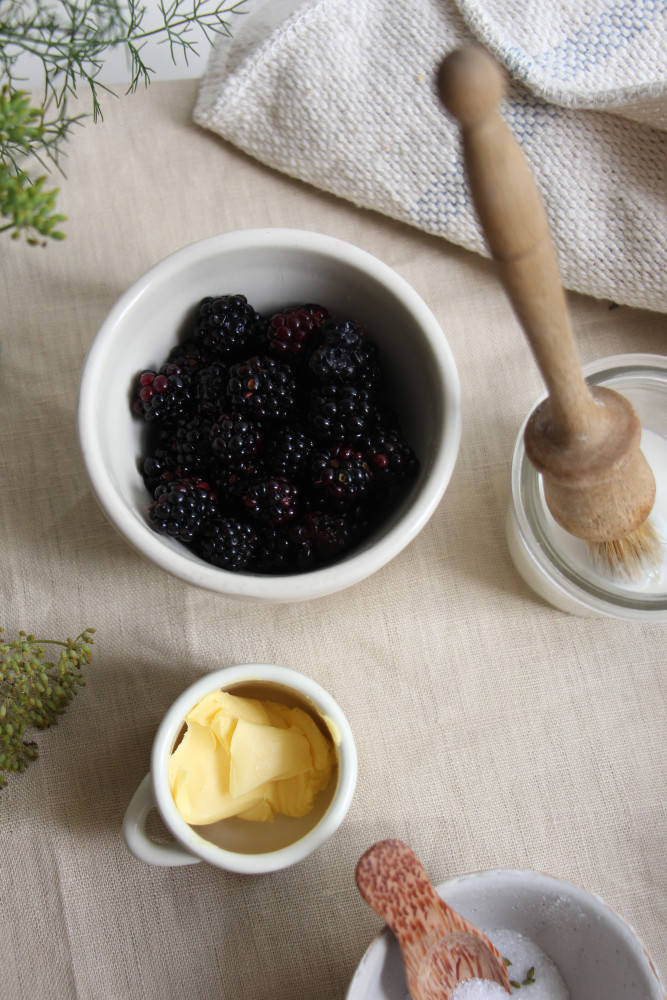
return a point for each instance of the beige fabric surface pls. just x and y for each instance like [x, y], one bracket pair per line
[492, 730]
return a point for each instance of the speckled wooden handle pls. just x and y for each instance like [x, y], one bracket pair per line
[394, 883]
[452, 960]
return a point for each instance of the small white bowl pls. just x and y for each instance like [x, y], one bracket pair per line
[598, 955]
[234, 844]
[272, 268]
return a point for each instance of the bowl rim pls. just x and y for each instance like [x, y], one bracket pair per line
[288, 587]
[376, 952]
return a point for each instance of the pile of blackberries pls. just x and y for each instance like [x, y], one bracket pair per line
[271, 447]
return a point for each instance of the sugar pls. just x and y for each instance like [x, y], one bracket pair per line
[478, 989]
[546, 982]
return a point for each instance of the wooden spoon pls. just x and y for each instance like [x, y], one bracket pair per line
[585, 441]
[440, 948]
[455, 958]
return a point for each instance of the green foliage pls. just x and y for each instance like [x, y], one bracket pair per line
[24, 202]
[71, 39]
[34, 692]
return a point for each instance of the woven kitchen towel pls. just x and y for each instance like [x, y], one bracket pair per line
[340, 94]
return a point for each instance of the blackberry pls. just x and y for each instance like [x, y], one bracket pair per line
[182, 508]
[274, 500]
[291, 449]
[227, 542]
[228, 326]
[303, 552]
[270, 462]
[235, 442]
[158, 468]
[332, 534]
[341, 477]
[345, 356]
[190, 355]
[263, 389]
[341, 412]
[165, 394]
[291, 330]
[391, 459]
[277, 552]
[192, 444]
[345, 332]
[210, 388]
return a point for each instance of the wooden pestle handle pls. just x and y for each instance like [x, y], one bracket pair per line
[509, 207]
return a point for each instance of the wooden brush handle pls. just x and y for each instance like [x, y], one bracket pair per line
[585, 442]
[517, 232]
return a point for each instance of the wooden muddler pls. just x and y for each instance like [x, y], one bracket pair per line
[585, 441]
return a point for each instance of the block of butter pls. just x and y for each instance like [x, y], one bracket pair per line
[249, 758]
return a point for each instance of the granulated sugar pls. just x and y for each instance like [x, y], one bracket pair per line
[479, 989]
[529, 967]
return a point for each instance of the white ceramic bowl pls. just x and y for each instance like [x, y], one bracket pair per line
[272, 268]
[598, 955]
[239, 845]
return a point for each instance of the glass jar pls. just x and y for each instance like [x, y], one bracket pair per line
[554, 563]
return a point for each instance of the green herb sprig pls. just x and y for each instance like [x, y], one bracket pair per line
[527, 981]
[71, 40]
[24, 201]
[36, 693]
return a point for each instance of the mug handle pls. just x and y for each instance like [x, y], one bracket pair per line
[138, 841]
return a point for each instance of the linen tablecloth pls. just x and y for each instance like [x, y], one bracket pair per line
[492, 730]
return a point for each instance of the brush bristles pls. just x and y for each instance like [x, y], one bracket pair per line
[632, 558]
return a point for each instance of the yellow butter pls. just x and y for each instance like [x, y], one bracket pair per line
[264, 753]
[199, 779]
[249, 758]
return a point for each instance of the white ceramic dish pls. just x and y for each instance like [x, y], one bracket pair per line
[598, 955]
[234, 844]
[273, 268]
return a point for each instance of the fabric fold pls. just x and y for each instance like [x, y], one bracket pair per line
[341, 95]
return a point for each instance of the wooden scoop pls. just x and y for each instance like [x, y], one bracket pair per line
[585, 441]
[440, 948]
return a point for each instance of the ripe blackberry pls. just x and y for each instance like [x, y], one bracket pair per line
[210, 388]
[158, 468]
[303, 552]
[190, 356]
[333, 534]
[227, 542]
[228, 326]
[262, 389]
[291, 331]
[390, 457]
[276, 552]
[235, 442]
[341, 412]
[192, 444]
[290, 449]
[345, 356]
[182, 508]
[299, 450]
[274, 500]
[341, 477]
[165, 394]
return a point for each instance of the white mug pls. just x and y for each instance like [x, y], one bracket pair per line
[234, 844]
